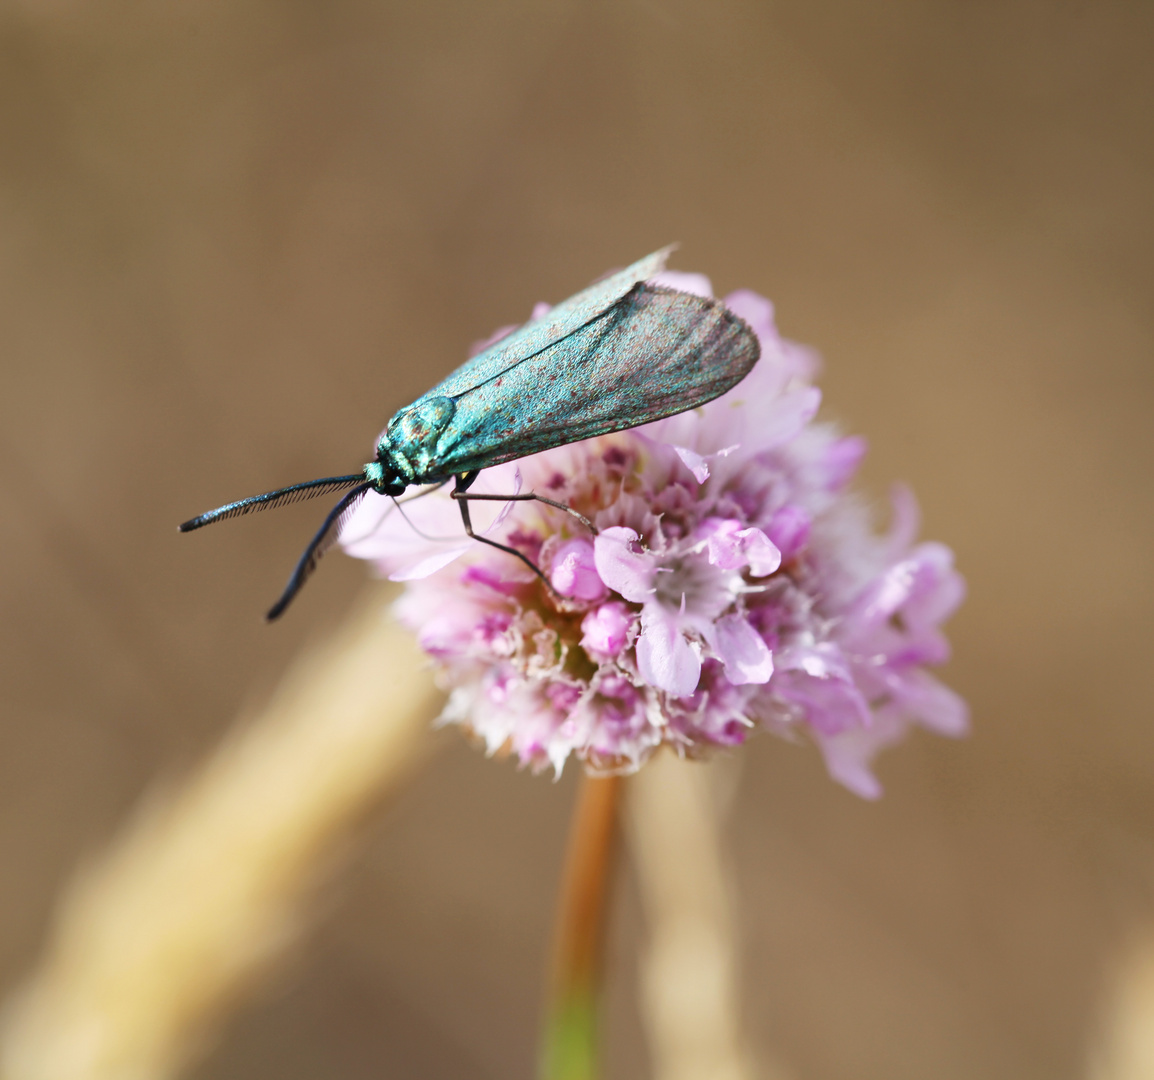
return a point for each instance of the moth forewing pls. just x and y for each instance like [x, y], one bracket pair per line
[655, 353]
[557, 323]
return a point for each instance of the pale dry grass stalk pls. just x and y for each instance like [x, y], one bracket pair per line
[1125, 1049]
[170, 925]
[690, 987]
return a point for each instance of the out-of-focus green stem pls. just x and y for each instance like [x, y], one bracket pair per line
[570, 1044]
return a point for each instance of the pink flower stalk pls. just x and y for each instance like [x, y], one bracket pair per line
[732, 584]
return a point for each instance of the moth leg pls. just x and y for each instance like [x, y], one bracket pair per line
[459, 494]
[462, 483]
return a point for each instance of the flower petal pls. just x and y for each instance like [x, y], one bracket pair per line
[761, 553]
[605, 630]
[694, 462]
[939, 588]
[698, 284]
[848, 757]
[933, 705]
[789, 530]
[841, 461]
[665, 658]
[924, 587]
[905, 522]
[787, 416]
[849, 754]
[818, 680]
[757, 311]
[506, 508]
[733, 548]
[623, 569]
[574, 573]
[739, 647]
[429, 565]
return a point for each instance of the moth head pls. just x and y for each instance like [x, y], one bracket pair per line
[381, 474]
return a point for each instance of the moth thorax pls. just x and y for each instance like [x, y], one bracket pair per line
[413, 433]
[422, 423]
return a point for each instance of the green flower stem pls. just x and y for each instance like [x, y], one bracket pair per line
[570, 1045]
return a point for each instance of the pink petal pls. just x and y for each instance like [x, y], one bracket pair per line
[624, 569]
[801, 361]
[740, 648]
[885, 595]
[492, 339]
[695, 463]
[939, 588]
[760, 552]
[453, 628]
[722, 544]
[401, 540]
[605, 630]
[789, 529]
[849, 764]
[698, 464]
[698, 284]
[734, 548]
[755, 310]
[848, 756]
[787, 416]
[818, 680]
[906, 519]
[924, 587]
[665, 659]
[841, 461]
[574, 572]
[364, 523]
[933, 705]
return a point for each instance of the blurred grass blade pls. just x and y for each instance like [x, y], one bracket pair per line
[690, 991]
[164, 931]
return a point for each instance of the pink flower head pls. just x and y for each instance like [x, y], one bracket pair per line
[731, 584]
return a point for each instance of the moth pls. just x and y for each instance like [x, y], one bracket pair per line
[623, 352]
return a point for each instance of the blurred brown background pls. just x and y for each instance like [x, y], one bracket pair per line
[234, 238]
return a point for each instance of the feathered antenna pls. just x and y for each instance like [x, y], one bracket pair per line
[272, 499]
[324, 539]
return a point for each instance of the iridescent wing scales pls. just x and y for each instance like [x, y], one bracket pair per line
[654, 353]
[557, 323]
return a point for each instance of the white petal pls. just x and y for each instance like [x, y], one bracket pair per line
[507, 509]
[623, 570]
[429, 565]
[664, 658]
[762, 553]
[785, 417]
